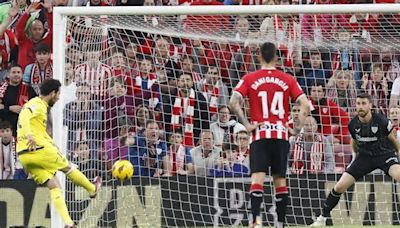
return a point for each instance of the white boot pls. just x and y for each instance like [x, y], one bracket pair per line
[257, 223]
[321, 221]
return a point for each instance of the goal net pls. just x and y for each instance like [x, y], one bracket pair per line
[152, 84]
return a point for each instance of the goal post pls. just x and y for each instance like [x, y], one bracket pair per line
[97, 35]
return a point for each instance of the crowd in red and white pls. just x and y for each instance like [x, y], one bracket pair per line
[163, 101]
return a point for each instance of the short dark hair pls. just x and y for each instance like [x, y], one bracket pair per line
[49, 85]
[268, 51]
[5, 124]
[42, 48]
[224, 106]
[229, 146]
[15, 65]
[364, 95]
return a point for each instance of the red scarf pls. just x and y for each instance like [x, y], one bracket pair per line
[213, 100]
[315, 163]
[178, 110]
[177, 159]
[22, 97]
[36, 77]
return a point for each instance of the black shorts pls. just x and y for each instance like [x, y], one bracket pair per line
[364, 164]
[265, 153]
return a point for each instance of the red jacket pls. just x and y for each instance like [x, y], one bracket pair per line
[329, 115]
[26, 55]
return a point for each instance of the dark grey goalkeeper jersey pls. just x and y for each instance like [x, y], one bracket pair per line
[372, 137]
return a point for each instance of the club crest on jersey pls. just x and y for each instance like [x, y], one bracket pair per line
[374, 129]
[324, 110]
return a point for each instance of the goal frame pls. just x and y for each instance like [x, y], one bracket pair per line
[60, 30]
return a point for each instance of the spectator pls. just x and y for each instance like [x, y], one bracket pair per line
[179, 161]
[74, 55]
[120, 70]
[293, 124]
[390, 65]
[331, 119]
[8, 42]
[245, 60]
[341, 90]
[146, 88]
[26, 44]
[347, 55]
[311, 152]
[314, 71]
[376, 85]
[94, 73]
[243, 141]
[164, 62]
[227, 165]
[130, 53]
[69, 92]
[188, 68]
[225, 129]
[188, 109]
[83, 117]
[214, 90]
[9, 163]
[205, 156]
[395, 93]
[394, 116]
[149, 152]
[241, 28]
[218, 54]
[13, 95]
[82, 157]
[40, 70]
[142, 115]
[118, 106]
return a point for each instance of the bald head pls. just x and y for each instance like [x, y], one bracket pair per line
[37, 30]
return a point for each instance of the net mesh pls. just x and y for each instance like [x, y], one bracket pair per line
[124, 71]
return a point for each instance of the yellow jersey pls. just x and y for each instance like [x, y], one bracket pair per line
[32, 120]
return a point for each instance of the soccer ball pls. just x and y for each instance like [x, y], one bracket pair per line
[122, 170]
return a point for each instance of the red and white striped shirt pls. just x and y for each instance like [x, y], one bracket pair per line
[269, 92]
[97, 78]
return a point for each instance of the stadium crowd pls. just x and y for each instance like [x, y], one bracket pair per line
[162, 102]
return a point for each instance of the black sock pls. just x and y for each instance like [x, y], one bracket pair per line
[281, 199]
[330, 203]
[256, 198]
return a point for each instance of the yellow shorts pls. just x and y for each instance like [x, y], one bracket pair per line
[43, 163]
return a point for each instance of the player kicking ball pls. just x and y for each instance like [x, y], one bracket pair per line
[375, 143]
[39, 155]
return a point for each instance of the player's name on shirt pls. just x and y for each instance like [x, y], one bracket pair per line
[263, 80]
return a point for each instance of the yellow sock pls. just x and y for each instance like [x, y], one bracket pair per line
[80, 179]
[59, 204]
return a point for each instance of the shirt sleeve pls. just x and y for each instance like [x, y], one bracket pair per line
[350, 127]
[24, 120]
[387, 126]
[396, 87]
[242, 87]
[295, 90]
